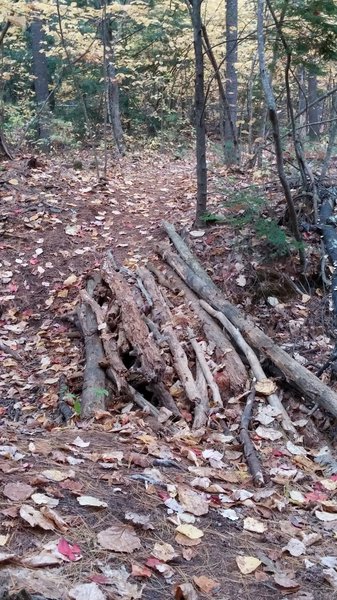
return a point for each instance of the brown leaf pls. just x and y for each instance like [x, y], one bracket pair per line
[183, 540]
[185, 591]
[192, 501]
[189, 553]
[140, 571]
[119, 538]
[17, 491]
[247, 564]
[86, 591]
[205, 584]
[284, 581]
[164, 552]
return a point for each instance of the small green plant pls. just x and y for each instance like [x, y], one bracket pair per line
[74, 401]
[101, 392]
[246, 208]
[77, 407]
[213, 218]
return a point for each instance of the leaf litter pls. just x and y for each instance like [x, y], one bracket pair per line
[205, 518]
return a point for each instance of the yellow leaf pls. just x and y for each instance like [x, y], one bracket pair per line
[247, 564]
[190, 531]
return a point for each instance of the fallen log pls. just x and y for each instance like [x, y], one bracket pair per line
[92, 398]
[148, 365]
[295, 373]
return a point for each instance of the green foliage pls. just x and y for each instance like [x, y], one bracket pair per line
[77, 407]
[246, 207]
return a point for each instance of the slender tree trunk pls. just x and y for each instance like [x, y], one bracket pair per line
[199, 99]
[313, 111]
[230, 153]
[302, 101]
[112, 95]
[40, 72]
[273, 116]
[332, 138]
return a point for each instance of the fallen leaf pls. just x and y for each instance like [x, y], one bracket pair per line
[141, 520]
[140, 571]
[164, 552]
[267, 433]
[185, 591]
[86, 591]
[17, 491]
[251, 524]
[325, 516]
[80, 443]
[295, 547]
[6, 557]
[247, 564]
[190, 531]
[55, 475]
[183, 540]
[70, 280]
[70, 551]
[228, 513]
[119, 538]
[45, 500]
[192, 501]
[296, 450]
[266, 387]
[35, 518]
[120, 584]
[205, 584]
[241, 281]
[4, 539]
[91, 501]
[284, 581]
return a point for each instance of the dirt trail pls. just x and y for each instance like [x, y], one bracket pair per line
[57, 225]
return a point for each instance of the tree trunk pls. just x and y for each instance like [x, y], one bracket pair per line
[313, 111]
[273, 116]
[231, 80]
[199, 99]
[40, 72]
[112, 92]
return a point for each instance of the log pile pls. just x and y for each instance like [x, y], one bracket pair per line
[152, 332]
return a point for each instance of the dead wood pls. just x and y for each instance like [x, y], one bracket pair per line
[206, 371]
[254, 362]
[162, 278]
[252, 459]
[163, 397]
[305, 381]
[92, 398]
[148, 365]
[8, 350]
[231, 363]
[162, 315]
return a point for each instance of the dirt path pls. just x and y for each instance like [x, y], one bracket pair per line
[143, 485]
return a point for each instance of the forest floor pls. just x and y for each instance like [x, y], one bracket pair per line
[91, 510]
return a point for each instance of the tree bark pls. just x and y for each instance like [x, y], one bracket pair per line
[273, 116]
[313, 109]
[230, 153]
[199, 99]
[112, 92]
[40, 71]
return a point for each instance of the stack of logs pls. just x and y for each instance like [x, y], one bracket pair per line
[134, 341]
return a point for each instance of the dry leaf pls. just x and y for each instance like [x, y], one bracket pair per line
[86, 591]
[205, 584]
[247, 564]
[80, 443]
[53, 516]
[267, 433]
[17, 491]
[190, 531]
[4, 539]
[55, 475]
[91, 501]
[251, 524]
[183, 540]
[45, 500]
[142, 520]
[119, 538]
[192, 501]
[140, 571]
[185, 591]
[118, 579]
[284, 581]
[35, 518]
[164, 552]
[266, 387]
[325, 516]
[295, 547]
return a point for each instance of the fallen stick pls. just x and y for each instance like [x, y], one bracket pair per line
[305, 381]
[248, 448]
[8, 350]
[206, 370]
[254, 362]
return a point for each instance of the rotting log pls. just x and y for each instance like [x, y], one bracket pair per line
[92, 398]
[301, 378]
[148, 365]
[249, 451]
